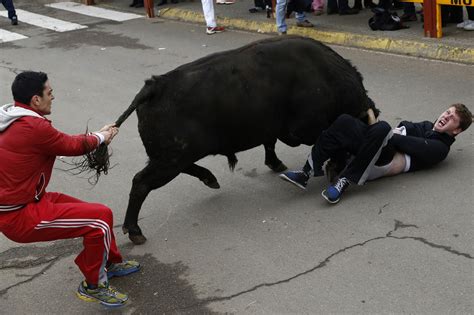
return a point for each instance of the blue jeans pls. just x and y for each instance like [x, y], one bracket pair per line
[8, 4]
[280, 12]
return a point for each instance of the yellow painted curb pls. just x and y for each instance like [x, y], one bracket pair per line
[395, 46]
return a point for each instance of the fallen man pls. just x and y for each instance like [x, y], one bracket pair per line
[365, 152]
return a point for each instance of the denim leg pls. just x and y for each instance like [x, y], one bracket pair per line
[8, 4]
[300, 16]
[280, 15]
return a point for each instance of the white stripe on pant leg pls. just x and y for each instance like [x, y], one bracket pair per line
[105, 230]
[106, 242]
[45, 21]
[102, 273]
[82, 223]
[79, 221]
[6, 36]
[94, 11]
[208, 10]
[69, 221]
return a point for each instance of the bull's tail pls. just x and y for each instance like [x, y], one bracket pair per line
[141, 97]
[97, 161]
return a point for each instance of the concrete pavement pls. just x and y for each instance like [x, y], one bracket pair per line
[258, 245]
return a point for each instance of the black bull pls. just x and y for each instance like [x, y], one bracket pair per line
[286, 88]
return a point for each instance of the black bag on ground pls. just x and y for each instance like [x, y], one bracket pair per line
[384, 20]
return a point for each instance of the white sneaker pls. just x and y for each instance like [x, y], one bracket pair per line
[469, 27]
[463, 24]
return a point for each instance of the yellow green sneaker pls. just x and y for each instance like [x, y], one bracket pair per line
[122, 269]
[103, 294]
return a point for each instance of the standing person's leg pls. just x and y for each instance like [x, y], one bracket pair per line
[8, 4]
[318, 6]
[280, 12]
[468, 24]
[344, 8]
[57, 216]
[332, 7]
[301, 20]
[210, 17]
[409, 12]
[343, 137]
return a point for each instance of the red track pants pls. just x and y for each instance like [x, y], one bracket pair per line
[58, 216]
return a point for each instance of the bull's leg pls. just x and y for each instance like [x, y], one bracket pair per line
[203, 174]
[151, 177]
[271, 159]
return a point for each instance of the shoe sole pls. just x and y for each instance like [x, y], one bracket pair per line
[213, 32]
[284, 177]
[327, 198]
[88, 298]
[122, 274]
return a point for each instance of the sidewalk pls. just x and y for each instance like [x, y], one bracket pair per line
[456, 45]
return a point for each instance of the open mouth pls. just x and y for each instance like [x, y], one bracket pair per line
[442, 122]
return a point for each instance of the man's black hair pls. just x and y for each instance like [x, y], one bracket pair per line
[28, 84]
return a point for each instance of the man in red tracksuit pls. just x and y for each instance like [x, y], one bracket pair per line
[29, 145]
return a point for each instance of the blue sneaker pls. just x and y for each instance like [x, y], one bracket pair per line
[298, 178]
[333, 193]
[122, 269]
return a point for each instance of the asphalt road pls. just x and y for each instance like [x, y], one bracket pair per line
[257, 245]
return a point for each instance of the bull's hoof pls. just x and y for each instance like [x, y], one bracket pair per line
[211, 184]
[134, 234]
[137, 239]
[278, 168]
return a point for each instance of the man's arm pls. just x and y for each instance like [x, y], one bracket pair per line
[427, 152]
[54, 142]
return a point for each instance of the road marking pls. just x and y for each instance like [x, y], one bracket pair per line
[94, 11]
[44, 21]
[6, 36]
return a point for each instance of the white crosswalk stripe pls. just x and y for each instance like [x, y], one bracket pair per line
[94, 11]
[45, 21]
[6, 36]
[58, 25]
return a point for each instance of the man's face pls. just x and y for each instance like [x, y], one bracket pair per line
[448, 122]
[42, 104]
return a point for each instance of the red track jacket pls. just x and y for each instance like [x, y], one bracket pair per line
[28, 148]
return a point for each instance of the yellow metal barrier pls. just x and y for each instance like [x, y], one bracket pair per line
[432, 14]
